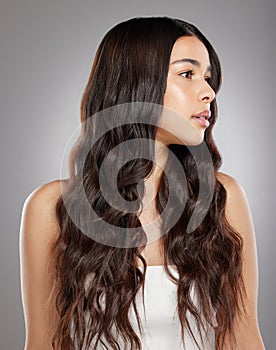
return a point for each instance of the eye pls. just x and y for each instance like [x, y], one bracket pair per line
[187, 74]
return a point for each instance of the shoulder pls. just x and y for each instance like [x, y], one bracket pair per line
[232, 186]
[39, 229]
[237, 207]
[226, 180]
[38, 212]
[45, 193]
[45, 196]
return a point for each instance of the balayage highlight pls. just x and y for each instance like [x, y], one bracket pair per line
[131, 65]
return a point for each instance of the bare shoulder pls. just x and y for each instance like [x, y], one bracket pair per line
[46, 194]
[39, 229]
[235, 191]
[236, 194]
[237, 206]
[226, 180]
[39, 206]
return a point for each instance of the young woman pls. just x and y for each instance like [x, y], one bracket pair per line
[153, 81]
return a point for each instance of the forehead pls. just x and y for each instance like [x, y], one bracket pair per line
[190, 47]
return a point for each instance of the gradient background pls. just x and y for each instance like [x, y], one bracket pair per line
[47, 48]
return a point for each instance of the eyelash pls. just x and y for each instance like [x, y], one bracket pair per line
[192, 73]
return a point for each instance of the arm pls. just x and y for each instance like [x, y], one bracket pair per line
[38, 230]
[239, 216]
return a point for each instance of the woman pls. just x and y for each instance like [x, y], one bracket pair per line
[152, 79]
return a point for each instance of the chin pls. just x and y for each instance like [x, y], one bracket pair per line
[192, 140]
[183, 135]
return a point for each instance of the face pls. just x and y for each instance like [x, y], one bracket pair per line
[187, 93]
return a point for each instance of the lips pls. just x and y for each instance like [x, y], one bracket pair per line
[205, 114]
[202, 118]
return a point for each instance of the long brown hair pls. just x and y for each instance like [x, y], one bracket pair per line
[131, 65]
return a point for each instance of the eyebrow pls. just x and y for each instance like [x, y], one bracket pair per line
[192, 61]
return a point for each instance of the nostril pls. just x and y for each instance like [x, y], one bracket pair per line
[207, 97]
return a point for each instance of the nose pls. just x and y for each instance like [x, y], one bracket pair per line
[206, 92]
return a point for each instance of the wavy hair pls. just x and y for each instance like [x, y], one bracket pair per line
[131, 65]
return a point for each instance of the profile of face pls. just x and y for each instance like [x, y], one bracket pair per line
[187, 93]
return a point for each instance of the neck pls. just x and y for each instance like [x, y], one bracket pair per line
[152, 182]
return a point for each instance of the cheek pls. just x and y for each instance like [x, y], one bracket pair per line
[176, 96]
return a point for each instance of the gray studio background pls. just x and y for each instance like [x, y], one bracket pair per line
[47, 48]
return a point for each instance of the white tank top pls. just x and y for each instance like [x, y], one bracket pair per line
[161, 325]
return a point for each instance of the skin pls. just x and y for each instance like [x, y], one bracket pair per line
[187, 93]
[39, 225]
